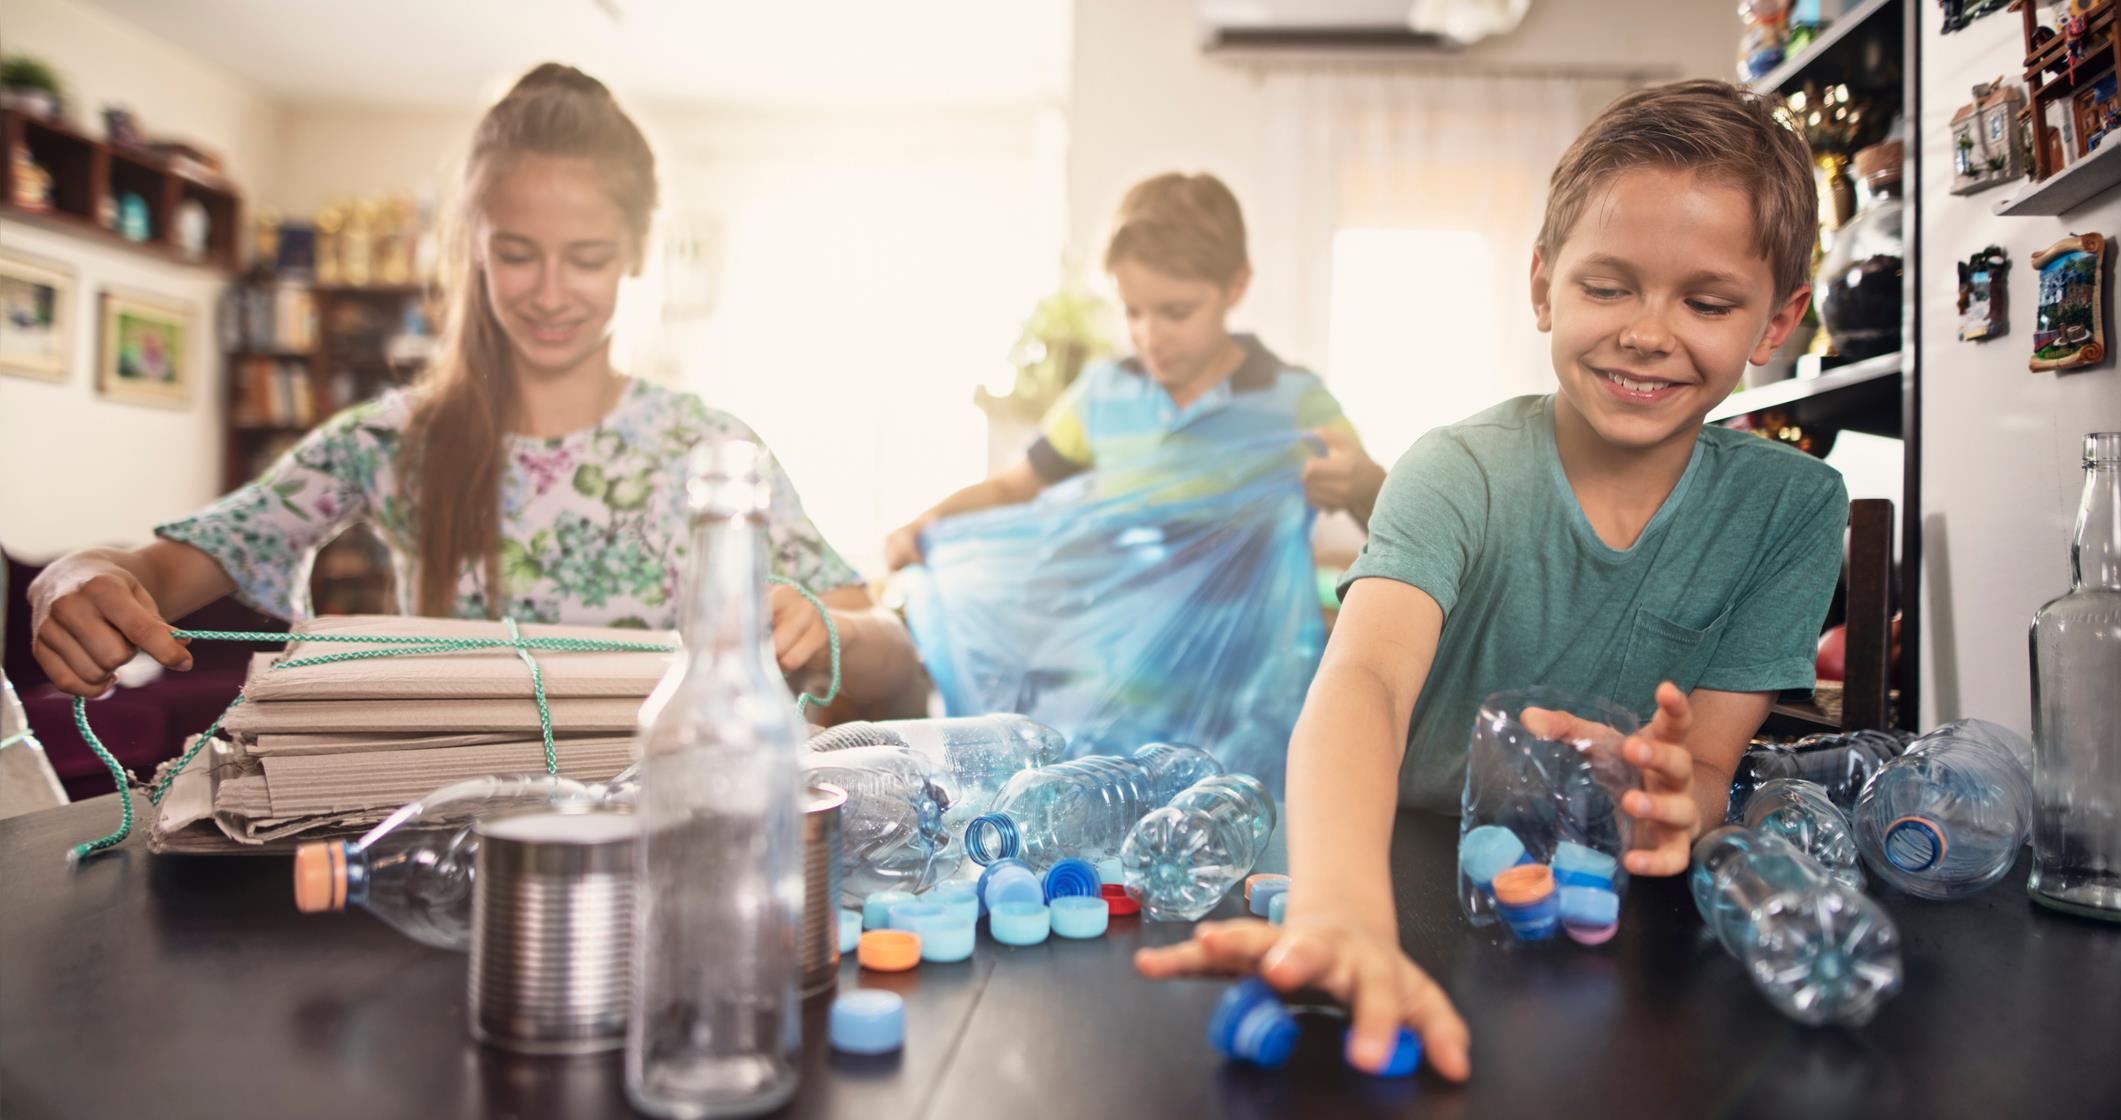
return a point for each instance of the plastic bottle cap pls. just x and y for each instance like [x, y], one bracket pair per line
[320, 876]
[1019, 923]
[1253, 881]
[1080, 917]
[909, 915]
[958, 896]
[876, 909]
[1278, 907]
[1914, 844]
[889, 950]
[1109, 871]
[946, 936]
[1118, 901]
[1589, 906]
[1251, 1025]
[1406, 1054]
[1487, 851]
[850, 930]
[1264, 894]
[1576, 865]
[1523, 885]
[1009, 880]
[868, 1022]
[1072, 877]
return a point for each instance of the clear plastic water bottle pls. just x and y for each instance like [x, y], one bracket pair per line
[414, 870]
[1839, 762]
[1801, 813]
[1816, 948]
[1180, 860]
[974, 756]
[714, 1028]
[892, 835]
[1083, 807]
[1946, 819]
[2076, 650]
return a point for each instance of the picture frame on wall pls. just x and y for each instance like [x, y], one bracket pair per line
[36, 318]
[144, 355]
[2069, 329]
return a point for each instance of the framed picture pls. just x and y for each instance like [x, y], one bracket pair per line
[1983, 302]
[145, 355]
[2070, 330]
[36, 318]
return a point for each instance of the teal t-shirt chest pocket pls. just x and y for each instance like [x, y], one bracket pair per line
[1662, 650]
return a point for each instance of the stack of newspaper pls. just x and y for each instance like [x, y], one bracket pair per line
[335, 747]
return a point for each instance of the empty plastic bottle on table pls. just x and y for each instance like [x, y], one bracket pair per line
[891, 828]
[714, 1025]
[2076, 648]
[1946, 819]
[973, 756]
[1818, 949]
[1083, 807]
[1800, 812]
[1839, 762]
[415, 869]
[1180, 860]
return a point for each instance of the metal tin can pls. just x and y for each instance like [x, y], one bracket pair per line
[819, 947]
[552, 931]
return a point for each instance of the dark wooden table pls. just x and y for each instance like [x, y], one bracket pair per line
[188, 986]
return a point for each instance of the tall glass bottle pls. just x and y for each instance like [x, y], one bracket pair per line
[715, 1028]
[2076, 650]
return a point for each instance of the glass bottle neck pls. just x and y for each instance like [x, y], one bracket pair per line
[725, 601]
[2095, 555]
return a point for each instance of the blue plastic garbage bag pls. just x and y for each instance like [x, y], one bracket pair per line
[1173, 599]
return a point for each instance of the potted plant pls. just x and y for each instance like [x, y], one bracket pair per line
[29, 85]
[1059, 337]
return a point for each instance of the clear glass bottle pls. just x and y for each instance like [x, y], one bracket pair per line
[2076, 651]
[1859, 280]
[715, 1026]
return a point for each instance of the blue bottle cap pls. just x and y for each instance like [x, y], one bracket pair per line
[909, 915]
[1406, 1054]
[1278, 907]
[1072, 877]
[850, 930]
[946, 936]
[1534, 922]
[1576, 865]
[1009, 880]
[868, 1022]
[1079, 917]
[1265, 892]
[959, 896]
[1489, 850]
[876, 909]
[1110, 871]
[1251, 1025]
[1019, 923]
[1589, 906]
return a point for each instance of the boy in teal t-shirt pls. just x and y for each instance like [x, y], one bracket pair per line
[1599, 539]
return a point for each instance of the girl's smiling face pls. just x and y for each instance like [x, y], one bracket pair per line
[554, 245]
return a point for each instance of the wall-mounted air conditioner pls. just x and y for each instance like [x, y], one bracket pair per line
[1363, 24]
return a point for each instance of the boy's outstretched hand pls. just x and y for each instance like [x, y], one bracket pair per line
[1382, 989]
[1664, 809]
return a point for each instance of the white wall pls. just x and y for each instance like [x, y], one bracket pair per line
[1144, 99]
[79, 470]
[330, 153]
[2000, 461]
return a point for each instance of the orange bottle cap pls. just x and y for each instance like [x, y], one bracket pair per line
[1523, 885]
[1264, 876]
[320, 876]
[889, 950]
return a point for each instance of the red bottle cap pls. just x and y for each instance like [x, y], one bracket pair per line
[1116, 897]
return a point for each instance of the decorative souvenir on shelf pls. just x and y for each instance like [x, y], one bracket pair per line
[1959, 13]
[1983, 302]
[2070, 330]
[122, 128]
[1859, 280]
[2095, 113]
[192, 227]
[33, 184]
[134, 223]
[1781, 426]
[1761, 46]
[2070, 49]
[1987, 150]
[331, 222]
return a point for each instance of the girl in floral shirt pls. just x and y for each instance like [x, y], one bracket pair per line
[522, 476]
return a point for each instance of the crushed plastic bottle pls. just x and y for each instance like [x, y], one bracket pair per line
[1946, 819]
[1800, 812]
[1839, 763]
[1180, 860]
[1083, 807]
[973, 756]
[892, 835]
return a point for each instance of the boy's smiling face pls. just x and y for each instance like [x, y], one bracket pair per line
[1656, 301]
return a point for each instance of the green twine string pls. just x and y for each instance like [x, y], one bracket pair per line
[404, 645]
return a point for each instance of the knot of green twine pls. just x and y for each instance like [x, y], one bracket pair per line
[403, 645]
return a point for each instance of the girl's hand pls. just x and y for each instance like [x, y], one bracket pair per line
[88, 616]
[799, 637]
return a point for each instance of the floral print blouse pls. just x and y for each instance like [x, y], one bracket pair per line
[593, 524]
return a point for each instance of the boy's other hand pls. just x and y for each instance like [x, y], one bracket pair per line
[1364, 970]
[1664, 809]
[1345, 477]
[902, 549]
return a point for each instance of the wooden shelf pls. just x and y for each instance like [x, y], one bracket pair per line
[1819, 48]
[88, 175]
[2071, 187]
[1863, 396]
